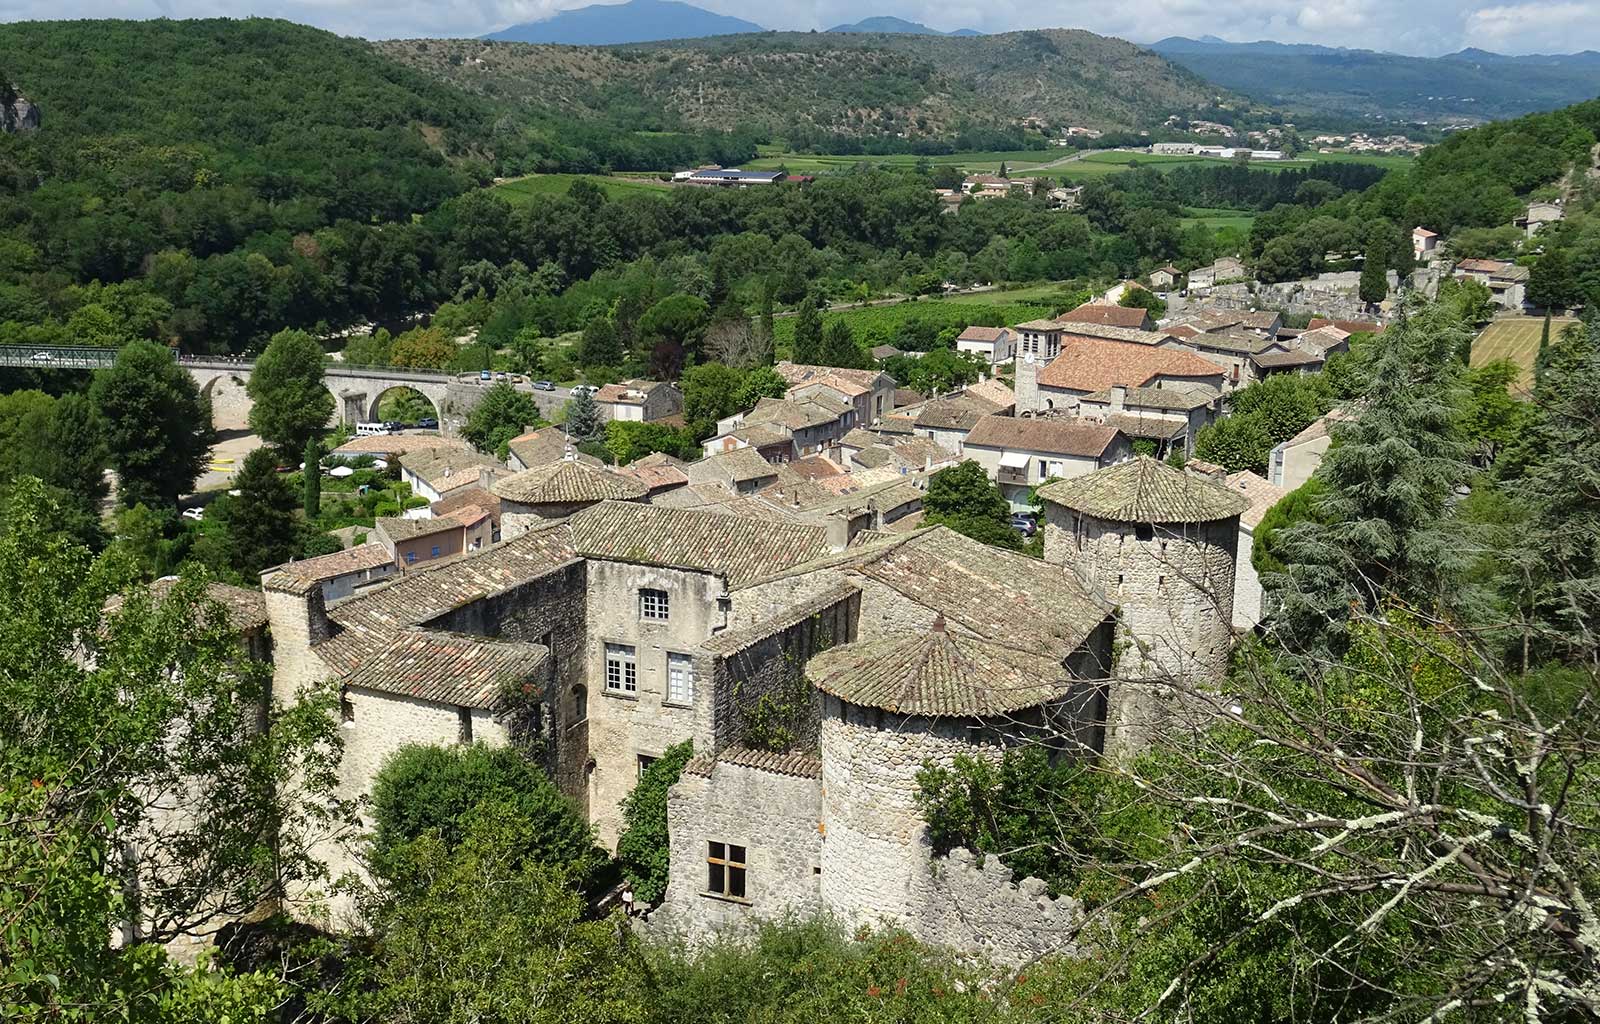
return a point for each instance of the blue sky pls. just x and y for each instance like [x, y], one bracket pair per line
[1407, 26]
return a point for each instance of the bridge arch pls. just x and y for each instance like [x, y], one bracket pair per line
[374, 410]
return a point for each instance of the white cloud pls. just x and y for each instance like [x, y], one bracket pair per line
[1534, 27]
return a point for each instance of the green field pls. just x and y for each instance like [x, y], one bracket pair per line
[1516, 339]
[1033, 294]
[520, 190]
[771, 158]
[1216, 219]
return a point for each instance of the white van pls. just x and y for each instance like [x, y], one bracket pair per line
[372, 429]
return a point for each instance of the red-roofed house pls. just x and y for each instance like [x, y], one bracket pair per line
[1110, 316]
[1089, 365]
[995, 344]
[1020, 454]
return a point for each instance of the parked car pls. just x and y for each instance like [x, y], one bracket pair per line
[42, 357]
[395, 426]
[485, 375]
[428, 423]
[579, 389]
[196, 513]
[1024, 524]
[543, 385]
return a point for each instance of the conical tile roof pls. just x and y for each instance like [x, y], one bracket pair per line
[1145, 490]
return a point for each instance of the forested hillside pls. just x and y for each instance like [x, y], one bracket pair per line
[835, 83]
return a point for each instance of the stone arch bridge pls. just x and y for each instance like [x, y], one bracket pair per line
[356, 389]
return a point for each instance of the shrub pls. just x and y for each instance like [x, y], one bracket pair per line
[643, 848]
[422, 789]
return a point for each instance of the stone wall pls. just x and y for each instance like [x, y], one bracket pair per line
[979, 909]
[774, 817]
[551, 611]
[624, 727]
[1174, 594]
[762, 682]
[1246, 584]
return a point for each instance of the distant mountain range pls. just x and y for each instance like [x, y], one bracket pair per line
[1469, 85]
[899, 26]
[637, 21]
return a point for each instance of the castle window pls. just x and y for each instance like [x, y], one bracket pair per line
[463, 725]
[680, 679]
[725, 867]
[580, 704]
[653, 605]
[622, 672]
[645, 761]
[1144, 531]
[347, 708]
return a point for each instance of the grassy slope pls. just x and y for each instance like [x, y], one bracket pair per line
[1516, 339]
[522, 190]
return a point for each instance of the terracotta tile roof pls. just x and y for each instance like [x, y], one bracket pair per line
[398, 528]
[1483, 266]
[845, 381]
[798, 764]
[1089, 364]
[813, 467]
[908, 396]
[761, 435]
[897, 425]
[447, 668]
[1168, 399]
[985, 335]
[326, 567]
[915, 451]
[882, 352]
[734, 547]
[1158, 427]
[469, 515]
[1000, 595]
[627, 392]
[1212, 320]
[1349, 326]
[1110, 332]
[445, 470]
[952, 413]
[1229, 340]
[741, 465]
[858, 437]
[547, 444]
[1101, 313]
[938, 673]
[1077, 438]
[565, 482]
[874, 456]
[399, 444]
[793, 414]
[657, 470]
[1320, 427]
[1278, 360]
[1323, 338]
[994, 392]
[246, 609]
[461, 497]
[1261, 495]
[1144, 490]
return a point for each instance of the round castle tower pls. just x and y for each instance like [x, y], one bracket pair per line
[889, 706]
[557, 490]
[1160, 544]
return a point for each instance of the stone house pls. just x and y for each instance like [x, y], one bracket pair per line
[1538, 214]
[1232, 349]
[436, 472]
[478, 495]
[1294, 461]
[1086, 365]
[1019, 454]
[557, 490]
[894, 652]
[639, 401]
[995, 345]
[1161, 545]
[814, 422]
[741, 471]
[658, 472]
[772, 441]
[1172, 417]
[415, 542]
[342, 573]
[1507, 282]
[870, 392]
[1165, 278]
[1424, 244]
[946, 421]
[1228, 268]
[1246, 581]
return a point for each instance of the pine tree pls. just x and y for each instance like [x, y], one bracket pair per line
[260, 519]
[839, 347]
[808, 333]
[601, 344]
[1388, 477]
[583, 418]
[1374, 284]
[313, 479]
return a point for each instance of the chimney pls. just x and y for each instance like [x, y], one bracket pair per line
[1119, 397]
[485, 478]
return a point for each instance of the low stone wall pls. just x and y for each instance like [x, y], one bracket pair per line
[979, 909]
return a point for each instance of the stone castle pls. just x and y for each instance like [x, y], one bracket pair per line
[611, 629]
